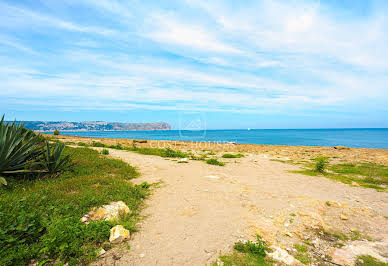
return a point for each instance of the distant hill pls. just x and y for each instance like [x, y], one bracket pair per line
[93, 126]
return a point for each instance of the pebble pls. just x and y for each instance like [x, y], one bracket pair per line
[141, 255]
[343, 217]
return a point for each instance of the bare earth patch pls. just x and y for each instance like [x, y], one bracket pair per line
[200, 210]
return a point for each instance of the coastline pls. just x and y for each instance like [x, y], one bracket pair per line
[281, 152]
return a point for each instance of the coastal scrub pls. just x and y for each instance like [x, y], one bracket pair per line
[40, 219]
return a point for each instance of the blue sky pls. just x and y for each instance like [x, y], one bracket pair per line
[231, 64]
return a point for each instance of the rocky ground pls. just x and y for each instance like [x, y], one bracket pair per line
[200, 210]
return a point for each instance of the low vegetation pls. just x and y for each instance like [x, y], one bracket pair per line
[248, 253]
[214, 161]
[229, 155]
[56, 132]
[320, 164]
[367, 260]
[105, 152]
[365, 174]
[23, 153]
[40, 218]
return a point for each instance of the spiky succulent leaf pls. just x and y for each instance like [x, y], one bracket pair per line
[17, 146]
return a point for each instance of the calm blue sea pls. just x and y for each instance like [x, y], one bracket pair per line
[358, 138]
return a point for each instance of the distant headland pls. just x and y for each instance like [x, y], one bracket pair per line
[45, 126]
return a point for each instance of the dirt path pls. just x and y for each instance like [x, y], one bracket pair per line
[200, 209]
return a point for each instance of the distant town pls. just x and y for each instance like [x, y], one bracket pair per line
[44, 126]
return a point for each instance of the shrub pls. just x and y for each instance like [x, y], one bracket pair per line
[105, 152]
[56, 132]
[98, 144]
[229, 155]
[214, 162]
[82, 144]
[168, 152]
[320, 164]
[257, 248]
[40, 219]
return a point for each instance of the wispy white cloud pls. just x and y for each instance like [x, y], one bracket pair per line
[265, 56]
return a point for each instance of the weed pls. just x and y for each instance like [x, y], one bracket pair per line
[248, 253]
[257, 248]
[301, 248]
[328, 203]
[81, 144]
[105, 152]
[303, 258]
[214, 161]
[320, 164]
[56, 132]
[229, 155]
[369, 260]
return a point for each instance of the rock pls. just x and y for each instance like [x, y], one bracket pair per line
[212, 176]
[106, 212]
[288, 234]
[349, 253]
[281, 255]
[141, 255]
[341, 148]
[183, 160]
[102, 252]
[343, 217]
[355, 184]
[118, 234]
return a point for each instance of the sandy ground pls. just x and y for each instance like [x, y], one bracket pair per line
[200, 210]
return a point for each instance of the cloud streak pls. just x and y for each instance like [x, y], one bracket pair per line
[260, 57]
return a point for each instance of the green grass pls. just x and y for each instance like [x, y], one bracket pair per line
[248, 253]
[40, 219]
[229, 155]
[303, 258]
[369, 261]
[168, 152]
[367, 175]
[214, 161]
[105, 152]
[301, 248]
[82, 144]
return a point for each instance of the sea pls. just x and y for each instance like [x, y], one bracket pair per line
[356, 137]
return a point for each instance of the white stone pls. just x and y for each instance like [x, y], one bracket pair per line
[107, 212]
[183, 160]
[102, 252]
[281, 255]
[118, 234]
[212, 176]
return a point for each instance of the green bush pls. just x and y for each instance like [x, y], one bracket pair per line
[105, 152]
[320, 164]
[214, 161]
[82, 144]
[256, 248]
[98, 144]
[56, 132]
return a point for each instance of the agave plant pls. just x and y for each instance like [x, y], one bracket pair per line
[17, 147]
[54, 162]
